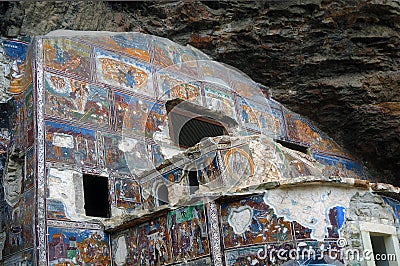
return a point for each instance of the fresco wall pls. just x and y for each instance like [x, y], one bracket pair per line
[104, 103]
[97, 106]
[179, 236]
[277, 227]
[17, 150]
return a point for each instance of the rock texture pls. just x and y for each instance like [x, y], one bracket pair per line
[336, 62]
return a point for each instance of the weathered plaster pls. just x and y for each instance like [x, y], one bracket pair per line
[309, 205]
[13, 176]
[240, 219]
[120, 251]
[66, 186]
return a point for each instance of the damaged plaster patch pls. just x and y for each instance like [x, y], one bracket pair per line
[121, 251]
[316, 203]
[13, 177]
[127, 144]
[65, 186]
[240, 219]
[135, 154]
[63, 140]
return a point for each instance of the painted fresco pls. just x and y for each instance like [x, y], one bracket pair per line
[123, 72]
[131, 44]
[297, 164]
[335, 166]
[259, 117]
[22, 78]
[20, 69]
[218, 100]
[68, 246]
[301, 130]
[277, 117]
[138, 116]
[143, 256]
[113, 154]
[67, 56]
[23, 258]
[301, 232]
[76, 100]
[208, 169]
[395, 206]
[245, 87]
[188, 232]
[336, 217]
[29, 180]
[157, 155]
[175, 57]
[29, 117]
[251, 221]
[56, 209]
[174, 176]
[69, 144]
[15, 50]
[238, 162]
[177, 185]
[137, 155]
[125, 247]
[259, 255]
[127, 192]
[214, 73]
[148, 199]
[19, 123]
[154, 246]
[173, 86]
[199, 262]
[19, 224]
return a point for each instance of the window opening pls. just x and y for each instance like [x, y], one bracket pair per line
[96, 196]
[293, 146]
[194, 130]
[162, 195]
[379, 249]
[193, 182]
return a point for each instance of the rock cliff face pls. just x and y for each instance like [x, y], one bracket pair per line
[336, 62]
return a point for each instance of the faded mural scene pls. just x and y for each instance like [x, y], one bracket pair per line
[130, 149]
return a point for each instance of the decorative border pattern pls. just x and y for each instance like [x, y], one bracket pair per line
[41, 189]
[64, 224]
[215, 236]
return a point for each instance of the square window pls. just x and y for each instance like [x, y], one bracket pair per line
[96, 196]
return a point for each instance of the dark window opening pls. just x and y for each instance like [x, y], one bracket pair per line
[293, 146]
[162, 195]
[96, 196]
[188, 132]
[193, 182]
[190, 123]
[379, 248]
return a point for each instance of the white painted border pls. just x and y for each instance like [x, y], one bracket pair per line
[41, 189]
